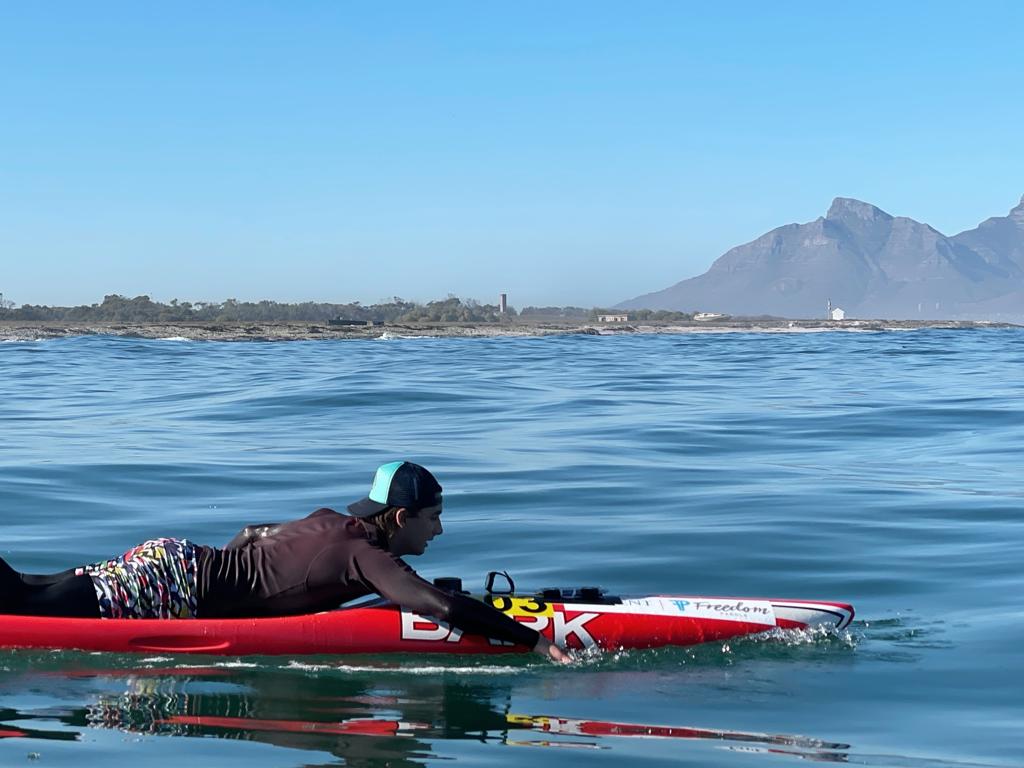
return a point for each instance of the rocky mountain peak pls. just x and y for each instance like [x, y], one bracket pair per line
[870, 263]
[1017, 214]
[848, 208]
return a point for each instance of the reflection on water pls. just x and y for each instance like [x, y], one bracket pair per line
[361, 718]
[396, 711]
[881, 468]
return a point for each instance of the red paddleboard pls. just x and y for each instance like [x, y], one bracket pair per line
[577, 620]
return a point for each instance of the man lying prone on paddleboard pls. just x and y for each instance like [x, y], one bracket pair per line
[303, 566]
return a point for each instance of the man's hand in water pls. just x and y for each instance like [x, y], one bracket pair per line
[549, 650]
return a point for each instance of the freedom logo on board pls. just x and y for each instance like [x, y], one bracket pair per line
[727, 609]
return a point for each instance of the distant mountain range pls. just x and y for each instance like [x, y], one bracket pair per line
[867, 262]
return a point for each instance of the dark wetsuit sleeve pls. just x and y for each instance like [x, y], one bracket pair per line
[391, 578]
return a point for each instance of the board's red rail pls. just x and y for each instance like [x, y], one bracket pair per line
[385, 628]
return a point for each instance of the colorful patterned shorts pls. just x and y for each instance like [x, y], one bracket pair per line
[155, 580]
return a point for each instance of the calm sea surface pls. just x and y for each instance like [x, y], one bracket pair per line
[884, 469]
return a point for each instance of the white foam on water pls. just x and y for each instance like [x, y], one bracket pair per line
[436, 669]
[388, 336]
[795, 637]
[173, 338]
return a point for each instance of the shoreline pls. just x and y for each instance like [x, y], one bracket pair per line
[11, 330]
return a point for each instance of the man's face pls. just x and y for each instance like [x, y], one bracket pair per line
[416, 530]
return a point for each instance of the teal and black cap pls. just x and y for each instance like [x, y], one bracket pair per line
[399, 484]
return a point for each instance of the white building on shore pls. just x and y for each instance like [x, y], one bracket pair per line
[835, 313]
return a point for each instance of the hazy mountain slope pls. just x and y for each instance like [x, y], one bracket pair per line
[868, 262]
[999, 240]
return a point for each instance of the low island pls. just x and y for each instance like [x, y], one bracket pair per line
[232, 320]
[305, 331]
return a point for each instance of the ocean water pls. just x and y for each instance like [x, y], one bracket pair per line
[882, 468]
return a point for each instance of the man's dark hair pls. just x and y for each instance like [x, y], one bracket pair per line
[386, 521]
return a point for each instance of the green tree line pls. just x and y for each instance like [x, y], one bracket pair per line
[142, 309]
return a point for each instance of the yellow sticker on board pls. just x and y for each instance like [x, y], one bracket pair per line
[520, 606]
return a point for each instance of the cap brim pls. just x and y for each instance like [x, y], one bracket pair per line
[366, 507]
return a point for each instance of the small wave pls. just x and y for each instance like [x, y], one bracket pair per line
[774, 643]
[388, 336]
[821, 635]
[174, 338]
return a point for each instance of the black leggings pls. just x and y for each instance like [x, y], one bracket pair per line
[54, 594]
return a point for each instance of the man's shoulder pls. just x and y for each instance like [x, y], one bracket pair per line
[351, 527]
[324, 512]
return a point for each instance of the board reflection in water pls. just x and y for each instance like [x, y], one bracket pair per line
[366, 718]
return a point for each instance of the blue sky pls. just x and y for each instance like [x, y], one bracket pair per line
[566, 153]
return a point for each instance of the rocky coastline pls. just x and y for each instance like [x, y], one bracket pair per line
[304, 331]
